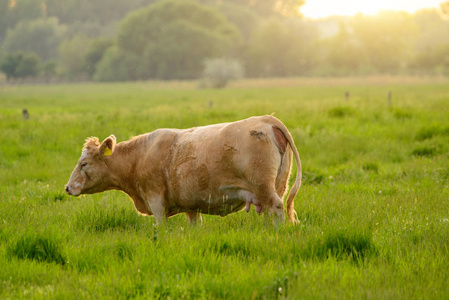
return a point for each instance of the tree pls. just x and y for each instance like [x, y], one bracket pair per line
[267, 7]
[281, 48]
[24, 10]
[171, 39]
[4, 7]
[343, 54]
[72, 53]
[433, 61]
[118, 66]
[41, 36]
[433, 31]
[445, 8]
[20, 65]
[102, 12]
[180, 51]
[386, 40]
[245, 19]
[95, 53]
[431, 46]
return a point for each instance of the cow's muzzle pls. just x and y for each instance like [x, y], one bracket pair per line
[67, 190]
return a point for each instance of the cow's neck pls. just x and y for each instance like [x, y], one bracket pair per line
[122, 166]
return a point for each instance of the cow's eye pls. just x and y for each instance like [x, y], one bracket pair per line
[83, 164]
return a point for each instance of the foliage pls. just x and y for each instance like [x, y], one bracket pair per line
[180, 50]
[245, 19]
[295, 40]
[384, 38]
[433, 61]
[344, 54]
[80, 55]
[101, 11]
[49, 69]
[445, 8]
[117, 66]
[41, 36]
[172, 38]
[219, 71]
[374, 207]
[72, 53]
[95, 53]
[4, 4]
[22, 11]
[20, 65]
[268, 8]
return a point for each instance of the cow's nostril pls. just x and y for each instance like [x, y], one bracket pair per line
[67, 189]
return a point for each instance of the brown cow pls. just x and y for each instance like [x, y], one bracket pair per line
[216, 169]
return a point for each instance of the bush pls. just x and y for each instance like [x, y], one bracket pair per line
[219, 71]
[20, 65]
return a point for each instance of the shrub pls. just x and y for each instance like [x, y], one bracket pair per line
[219, 71]
[19, 65]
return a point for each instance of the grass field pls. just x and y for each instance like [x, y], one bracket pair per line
[374, 206]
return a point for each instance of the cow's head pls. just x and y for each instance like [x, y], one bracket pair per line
[91, 172]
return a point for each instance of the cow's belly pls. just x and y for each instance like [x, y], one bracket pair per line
[229, 199]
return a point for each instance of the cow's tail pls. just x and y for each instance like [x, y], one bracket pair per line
[291, 213]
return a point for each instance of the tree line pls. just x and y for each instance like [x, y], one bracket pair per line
[115, 40]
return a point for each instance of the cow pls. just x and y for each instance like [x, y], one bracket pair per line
[216, 169]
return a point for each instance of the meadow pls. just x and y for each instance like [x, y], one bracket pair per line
[374, 205]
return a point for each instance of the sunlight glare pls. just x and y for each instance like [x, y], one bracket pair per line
[324, 8]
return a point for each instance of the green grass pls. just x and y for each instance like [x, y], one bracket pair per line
[374, 206]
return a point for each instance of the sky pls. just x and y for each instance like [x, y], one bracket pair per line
[323, 8]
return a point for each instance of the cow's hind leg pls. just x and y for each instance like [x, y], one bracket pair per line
[270, 200]
[193, 217]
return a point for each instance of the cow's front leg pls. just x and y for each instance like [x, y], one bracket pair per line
[193, 217]
[158, 210]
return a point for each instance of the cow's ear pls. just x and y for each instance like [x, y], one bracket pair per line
[108, 145]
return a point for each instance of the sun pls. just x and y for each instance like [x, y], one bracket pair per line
[325, 8]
